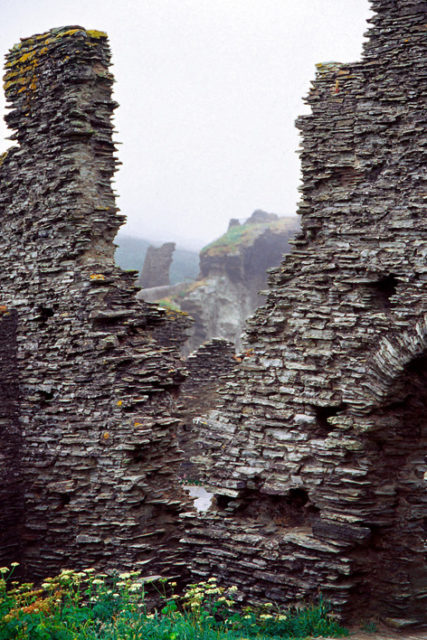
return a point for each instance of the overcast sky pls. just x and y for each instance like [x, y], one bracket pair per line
[208, 92]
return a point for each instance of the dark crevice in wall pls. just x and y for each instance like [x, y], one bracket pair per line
[382, 290]
[323, 413]
[294, 509]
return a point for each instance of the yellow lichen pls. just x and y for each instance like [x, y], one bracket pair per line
[97, 276]
[3, 157]
[26, 56]
[70, 32]
[93, 33]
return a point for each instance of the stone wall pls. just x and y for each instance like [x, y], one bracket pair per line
[11, 490]
[157, 263]
[94, 423]
[208, 368]
[317, 454]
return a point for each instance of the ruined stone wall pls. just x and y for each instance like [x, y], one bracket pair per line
[157, 263]
[11, 494]
[317, 455]
[208, 368]
[94, 425]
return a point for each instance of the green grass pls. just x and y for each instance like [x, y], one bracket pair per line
[83, 605]
[242, 236]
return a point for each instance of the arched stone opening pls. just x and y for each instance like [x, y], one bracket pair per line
[390, 567]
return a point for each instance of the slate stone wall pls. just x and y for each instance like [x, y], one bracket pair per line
[208, 368]
[96, 392]
[11, 490]
[317, 455]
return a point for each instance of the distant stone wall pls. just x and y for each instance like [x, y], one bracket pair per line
[318, 452]
[93, 419]
[157, 264]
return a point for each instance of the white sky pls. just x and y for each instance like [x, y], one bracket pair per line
[208, 92]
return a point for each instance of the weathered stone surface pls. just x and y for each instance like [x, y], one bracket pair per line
[87, 429]
[322, 431]
[208, 368]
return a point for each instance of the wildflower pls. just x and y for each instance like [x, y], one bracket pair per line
[222, 599]
[120, 584]
[173, 584]
[247, 617]
[282, 617]
[90, 570]
[232, 589]
[97, 581]
[4, 569]
[14, 564]
[135, 587]
[125, 575]
[265, 616]
[212, 580]
[267, 605]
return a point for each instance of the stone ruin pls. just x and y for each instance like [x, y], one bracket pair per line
[157, 263]
[316, 453]
[87, 425]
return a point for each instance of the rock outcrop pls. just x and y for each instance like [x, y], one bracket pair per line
[317, 454]
[87, 426]
[157, 263]
[233, 269]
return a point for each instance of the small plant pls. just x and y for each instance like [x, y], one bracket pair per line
[168, 304]
[83, 605]
[369, 627]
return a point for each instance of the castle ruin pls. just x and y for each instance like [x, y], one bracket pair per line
[317, 453]
[87, 423]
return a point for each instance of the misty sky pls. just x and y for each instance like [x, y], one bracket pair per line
[208, 92]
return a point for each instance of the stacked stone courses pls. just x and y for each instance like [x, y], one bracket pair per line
[317, 452]
[89, 425]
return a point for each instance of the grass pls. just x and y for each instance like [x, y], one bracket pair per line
[242, 236]
[83, 605]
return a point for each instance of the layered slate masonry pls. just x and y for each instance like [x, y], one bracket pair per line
[87, 429]
[317, 454]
